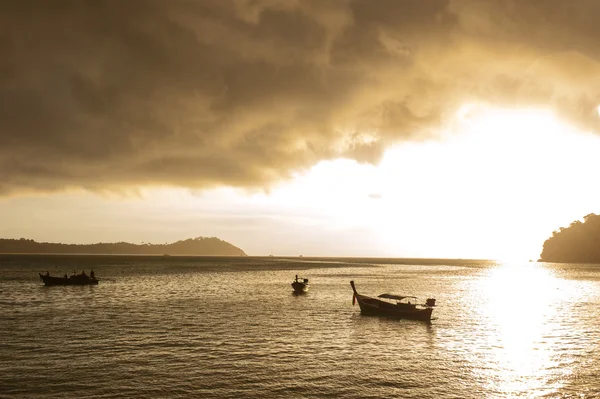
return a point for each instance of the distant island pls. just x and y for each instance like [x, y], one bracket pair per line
[578, 243]
[207, 246]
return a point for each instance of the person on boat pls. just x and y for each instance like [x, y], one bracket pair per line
[83, 274]
[65, 276]
[92, 275]
[47, 273]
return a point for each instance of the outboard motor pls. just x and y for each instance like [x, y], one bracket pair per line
[430, 302]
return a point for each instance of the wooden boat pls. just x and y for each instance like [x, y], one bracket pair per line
[300, 285]
[75, 279]
[400, 306]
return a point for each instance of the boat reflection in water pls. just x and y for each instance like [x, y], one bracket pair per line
[400, 306]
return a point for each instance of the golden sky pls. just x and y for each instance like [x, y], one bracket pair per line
[455, 128]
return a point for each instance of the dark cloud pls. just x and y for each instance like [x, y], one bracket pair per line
[199, 93]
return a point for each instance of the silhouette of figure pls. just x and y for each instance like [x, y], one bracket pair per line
[47, 273]
[92, 273]
[65, 276]
[83, 273]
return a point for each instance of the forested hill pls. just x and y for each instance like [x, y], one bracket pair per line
[578, 243]
[192, 246]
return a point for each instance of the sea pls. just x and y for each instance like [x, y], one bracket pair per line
[223, 327]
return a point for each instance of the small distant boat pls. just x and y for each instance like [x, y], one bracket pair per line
[400, 306]
[75, 279]
[300, 284]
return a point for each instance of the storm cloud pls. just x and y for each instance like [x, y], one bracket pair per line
[199, 93]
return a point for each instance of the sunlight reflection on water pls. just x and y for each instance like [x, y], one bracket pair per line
[526, 335]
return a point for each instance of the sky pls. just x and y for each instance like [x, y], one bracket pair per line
[438, 128]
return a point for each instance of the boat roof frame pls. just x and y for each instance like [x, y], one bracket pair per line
[396, 297]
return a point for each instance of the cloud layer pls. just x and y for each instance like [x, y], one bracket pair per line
[200, 93]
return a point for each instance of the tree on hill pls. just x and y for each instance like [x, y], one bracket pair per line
[578, 243]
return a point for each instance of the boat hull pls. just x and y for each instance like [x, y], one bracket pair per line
[374, 307]
[73, 280]
[299, 287]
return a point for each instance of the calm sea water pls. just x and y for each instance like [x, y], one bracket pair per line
[231, 328]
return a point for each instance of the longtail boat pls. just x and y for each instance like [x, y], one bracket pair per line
[75, 279]
[300, 285]
[400, 306]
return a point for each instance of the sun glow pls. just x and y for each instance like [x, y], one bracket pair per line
[495, 186]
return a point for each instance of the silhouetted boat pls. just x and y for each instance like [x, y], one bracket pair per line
[300, 284]
[400, 306]
[76, 279]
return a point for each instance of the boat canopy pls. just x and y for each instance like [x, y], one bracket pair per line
[396, 297]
